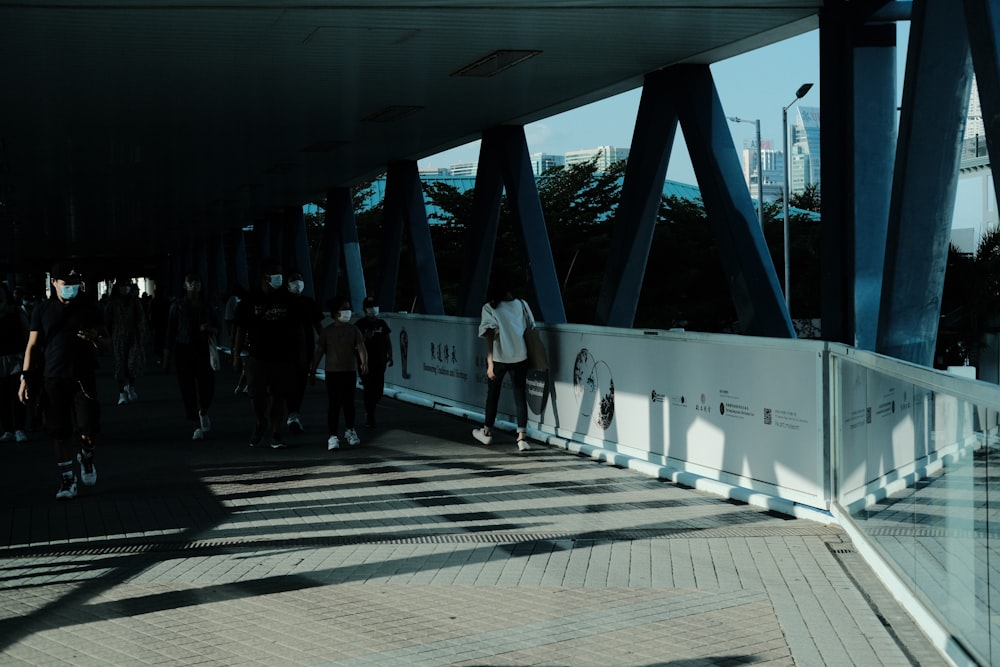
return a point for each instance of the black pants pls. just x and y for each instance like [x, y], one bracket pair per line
[12, 412]
[298, 392]
[373, 383]
[195, 378]
[340, 396]
[518, 376]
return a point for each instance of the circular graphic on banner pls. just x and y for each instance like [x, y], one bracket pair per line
[594, 388]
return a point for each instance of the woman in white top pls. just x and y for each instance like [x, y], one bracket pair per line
[503, 323]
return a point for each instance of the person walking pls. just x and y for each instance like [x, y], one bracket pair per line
[339, 343]
[269, 327]
[379, 347]
[13, 339]
[229, 319]
[69, 328]
[502, 325]
[126, 320]
[312, 318]
[192, 326]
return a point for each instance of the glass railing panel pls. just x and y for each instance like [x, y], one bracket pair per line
[913, 475]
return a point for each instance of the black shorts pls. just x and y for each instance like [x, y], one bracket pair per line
[271, 378]
[71, 406]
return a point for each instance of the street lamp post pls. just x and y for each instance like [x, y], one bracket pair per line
[760, 169]
[799, 94]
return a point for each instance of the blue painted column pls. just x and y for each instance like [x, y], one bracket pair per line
[504, 161]
[483, 227]
[935, 100]
[297, 248]
[340, 239]
[522, 193]
[753, 280]
[858, 79]
[642, 191]
[983, 20]
[404, 207]
[215, 281]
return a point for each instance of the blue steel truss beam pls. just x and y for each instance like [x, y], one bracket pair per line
[483, 226]
[297, 248]
[753, 282]
[642, 191]
[925, 179]
[504, 162]
[405, 208]
[339, 240]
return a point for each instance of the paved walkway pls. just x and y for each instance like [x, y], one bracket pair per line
[418, 548]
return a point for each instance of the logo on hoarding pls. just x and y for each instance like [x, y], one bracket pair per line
[594, 388]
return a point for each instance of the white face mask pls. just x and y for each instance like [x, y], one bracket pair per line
[296, 286]
[69, 292]
[344, 315]
[275, 280]
[371, 312]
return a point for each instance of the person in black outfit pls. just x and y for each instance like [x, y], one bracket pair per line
[312, 319]
[269, 324]
[13, 337]
[379, 347]
[191, 326]
[70, 329]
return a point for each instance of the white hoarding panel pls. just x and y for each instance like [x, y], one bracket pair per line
[743, 410]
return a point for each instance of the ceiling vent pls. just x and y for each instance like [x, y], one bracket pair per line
[390, 114]
[495, 63]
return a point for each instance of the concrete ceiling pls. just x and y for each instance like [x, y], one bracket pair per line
[129, 125]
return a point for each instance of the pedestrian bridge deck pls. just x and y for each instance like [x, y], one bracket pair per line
[419, 547]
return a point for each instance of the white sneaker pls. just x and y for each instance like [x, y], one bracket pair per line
[68, 488]
[198, 434]
[20, 436]
[333, 442]
[205, 423]
[133, 395]
[6, 437]
[482, 436]
[352, 437]
[523, 445]
[122, 398]
[88, 471]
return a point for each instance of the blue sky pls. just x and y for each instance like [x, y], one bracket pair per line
[755, 85]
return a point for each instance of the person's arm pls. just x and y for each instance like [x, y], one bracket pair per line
[388, 344]
[317, 357]
[489, 336]
[359, 345]
[23, 391]
[241, 336]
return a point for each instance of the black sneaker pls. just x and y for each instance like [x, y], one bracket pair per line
[258, 435]
[277, 442]
[67, 490]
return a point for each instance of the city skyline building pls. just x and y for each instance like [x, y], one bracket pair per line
[772, 164]
[605, 156]
[543, 161]
[804, 161]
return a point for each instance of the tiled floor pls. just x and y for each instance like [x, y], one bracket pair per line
[418, 548]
